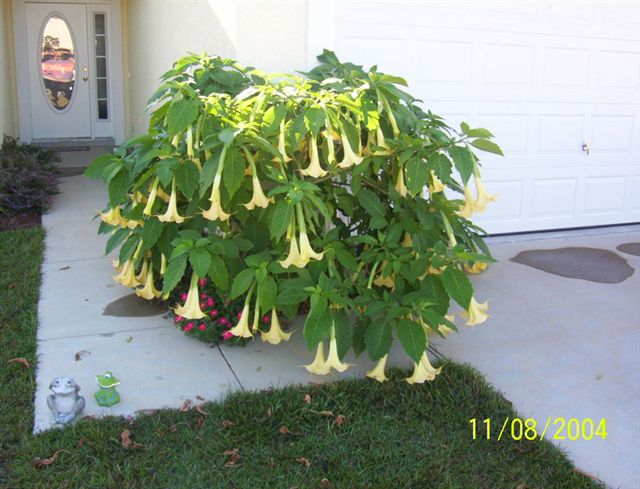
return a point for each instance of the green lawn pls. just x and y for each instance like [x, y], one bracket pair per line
[349, 434]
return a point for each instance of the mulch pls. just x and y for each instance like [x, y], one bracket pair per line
[23, 221]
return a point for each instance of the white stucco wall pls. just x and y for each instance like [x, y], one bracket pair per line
[8, 98]
[270, 35]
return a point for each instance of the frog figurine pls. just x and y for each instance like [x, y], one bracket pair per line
[107, 395]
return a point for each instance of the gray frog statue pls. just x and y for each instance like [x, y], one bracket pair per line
[65, 403]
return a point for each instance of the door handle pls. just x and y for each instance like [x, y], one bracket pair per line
[586, 148]
[85, 72]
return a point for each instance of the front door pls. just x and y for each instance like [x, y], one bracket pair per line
[58, 57]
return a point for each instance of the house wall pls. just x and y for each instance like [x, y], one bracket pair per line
[8, 96]
[269, 35]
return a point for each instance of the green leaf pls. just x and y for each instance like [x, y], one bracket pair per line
[267, 292]
[378, 339]
[457, 286]
[463, 161]
[118, 187]
[413, 338]
[318, 323]
[346, 258]
[241, 282]
[151, 231]
[115, 239]
[218, 272]
[292, 293]
[165, 170]
[187, 176]
[441, 166]
[228, 134]
[478, 132]
[181, 115]
[233, 171]
[128, 248]
[99, 167]
[174, 273]
[417, 175]
[200, 260]
[433, 291]
[314, 117]
[343, 332]
[208, 172]
[488, 146]
[280, 219]
[372, 204]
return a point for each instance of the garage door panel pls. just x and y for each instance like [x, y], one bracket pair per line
[545, 77]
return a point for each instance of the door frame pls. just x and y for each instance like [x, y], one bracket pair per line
[115, 63]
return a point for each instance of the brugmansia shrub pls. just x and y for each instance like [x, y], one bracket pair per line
[282, 189]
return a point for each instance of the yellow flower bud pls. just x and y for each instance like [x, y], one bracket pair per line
[314, 169]
[215, 211]
[258, 199]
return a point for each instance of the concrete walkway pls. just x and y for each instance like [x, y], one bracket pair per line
[556, 347]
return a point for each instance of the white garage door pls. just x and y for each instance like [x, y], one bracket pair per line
[546, 78]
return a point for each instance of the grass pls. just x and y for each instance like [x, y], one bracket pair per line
[349, 434]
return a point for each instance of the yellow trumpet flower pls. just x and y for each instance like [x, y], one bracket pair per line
[477, 267]
[319, 365]
[127, 275]
[437, 185]
[294, 257]
[350, 158]
[144, 271]
[113, 217]
[171, 215]
[377, 372]
[407, 242]
[162, 194]
[314, 169]
[152, 198]
[215, 211]
[483, 197]
[333, 360]
[306, 252]
[477, 313]
[132, 223]
[259, 199]
[242, 328]
[281, 143]
[275, 334]
[469, 206]
[191, 308]
[328, 135]
[401, 188]
[149, 290]
[116, 265]
[381, 142]
[443, 328]
[423, 371]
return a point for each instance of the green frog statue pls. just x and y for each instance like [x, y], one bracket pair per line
[107, 395]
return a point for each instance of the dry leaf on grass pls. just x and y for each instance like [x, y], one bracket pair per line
[186, 405]
[82, 441]
[126, 442]
[328, 414]
[65, 268]
[38, 462]
[324, 483]
[303, 461]
[225, 423]
[201, 410]
[339, 420]
[80, 354]
[23, 361]
[173, 428]
[200, 398]
[234, 457]
[200, 421]
[306, 398]
[284, 430]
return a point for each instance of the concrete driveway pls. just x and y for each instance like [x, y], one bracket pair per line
[555, 346]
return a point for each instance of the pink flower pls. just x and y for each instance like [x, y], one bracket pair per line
[214, 313]
[202, 327]
[210, 302]
[238, 315]
[224, 321]
[202, 305]
[265, 319]
[202, 281]
[179, 318]
[183, 296]
[189, 327]
[203, 295]
[226, 335]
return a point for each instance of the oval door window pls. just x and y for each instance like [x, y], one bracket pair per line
[58, 62]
